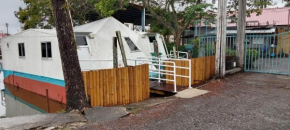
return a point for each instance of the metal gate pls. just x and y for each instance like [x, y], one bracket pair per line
[268, 53]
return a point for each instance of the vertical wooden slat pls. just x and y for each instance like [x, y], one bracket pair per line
[148, 83]
[135, 84]
[121, 86]
[91, 82]
[97, 88]
[92, 87]
[117, 86]
[143, 72]
[110, 84]
[101, 87]
[130, 84]
[127, 86]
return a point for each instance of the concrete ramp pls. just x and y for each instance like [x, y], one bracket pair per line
[190, 93]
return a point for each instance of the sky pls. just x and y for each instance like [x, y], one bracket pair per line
[7, 8]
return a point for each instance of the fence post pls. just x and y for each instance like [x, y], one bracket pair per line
[189, 62]
[159, 70]
[155, 48]
[47, 100]
[189, 54]
[119, 37]
[221, 39]
[241, 32]
[174, 77]
[174, 52]
[115, 52]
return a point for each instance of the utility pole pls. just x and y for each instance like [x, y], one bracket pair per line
[7, 29]
[221, 39]
[74, 82]
[241, 32]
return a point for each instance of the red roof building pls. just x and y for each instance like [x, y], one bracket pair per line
[270, 17]
[3, 35]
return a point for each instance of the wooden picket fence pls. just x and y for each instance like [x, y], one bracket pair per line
[202, 69]
[117, 86]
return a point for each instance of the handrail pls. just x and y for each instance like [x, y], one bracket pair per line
[179, 52]
[142, 61]
[179, 67]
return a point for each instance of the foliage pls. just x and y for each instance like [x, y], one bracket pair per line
[109, 7]
[169, 16]
[170, 47]
[195, 51]
[38, 13]
[288, 3]
[252, 55]
[230, 52]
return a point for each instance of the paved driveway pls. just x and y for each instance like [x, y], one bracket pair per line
[242, 101]
[280, 65]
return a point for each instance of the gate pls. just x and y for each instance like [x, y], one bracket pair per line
[268, 53]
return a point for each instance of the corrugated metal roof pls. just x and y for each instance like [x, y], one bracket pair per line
[264, 31]
[273, 16]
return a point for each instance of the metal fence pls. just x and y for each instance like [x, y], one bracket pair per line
[268, 53]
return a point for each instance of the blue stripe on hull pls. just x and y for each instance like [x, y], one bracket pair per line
[35, 77]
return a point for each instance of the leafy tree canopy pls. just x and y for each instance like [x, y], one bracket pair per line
[38, 13]
[288, 3]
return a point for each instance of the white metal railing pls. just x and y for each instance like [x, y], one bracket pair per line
[161, 60]
[171, 55]
[148, 61]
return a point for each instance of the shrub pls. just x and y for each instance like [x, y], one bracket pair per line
[251, 56]
[171, 45]
[230, 52]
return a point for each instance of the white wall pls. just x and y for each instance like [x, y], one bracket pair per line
[32, 63]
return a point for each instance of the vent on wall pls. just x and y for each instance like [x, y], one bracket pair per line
[130, 25]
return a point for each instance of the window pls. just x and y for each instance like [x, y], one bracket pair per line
[152, 38]
[46, 50]
[81, 40]
[21, 49]
[131, 45]
[258, 40]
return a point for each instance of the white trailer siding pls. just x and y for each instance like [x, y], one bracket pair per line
[32, 62]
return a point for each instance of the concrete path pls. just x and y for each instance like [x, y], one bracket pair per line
[191, 93]
[243, 101]
[42, 121]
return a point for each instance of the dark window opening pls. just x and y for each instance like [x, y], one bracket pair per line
[81, 40]
[152, 38]
[46, 50]
[21, 49]
[131, 45]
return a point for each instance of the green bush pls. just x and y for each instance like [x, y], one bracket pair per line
[251, 56]
[201, 49]
[230, 52]
[171, 45]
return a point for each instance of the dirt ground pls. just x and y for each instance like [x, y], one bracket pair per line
[241, 101]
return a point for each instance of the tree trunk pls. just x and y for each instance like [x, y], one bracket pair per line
[177, 40]
[75, 92]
